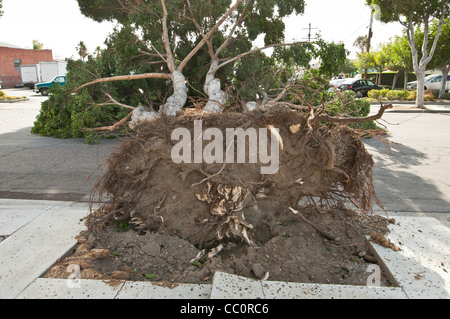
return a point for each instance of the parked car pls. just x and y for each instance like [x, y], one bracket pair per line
[44, 87]
[360, 86]
[432, 82]
[334, 84]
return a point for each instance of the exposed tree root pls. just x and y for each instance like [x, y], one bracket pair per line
[213, 204]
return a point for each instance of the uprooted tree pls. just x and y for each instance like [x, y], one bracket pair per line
[321, 159]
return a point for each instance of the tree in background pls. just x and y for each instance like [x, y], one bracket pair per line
[361, 43]
[365, 61]
[411, 14]
[400, 59]
[1, 5]
[441, 59]
[381, 59]
[37, 45]
[82, 50]
[332, 56]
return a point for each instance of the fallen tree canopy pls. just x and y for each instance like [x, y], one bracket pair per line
[209, 204]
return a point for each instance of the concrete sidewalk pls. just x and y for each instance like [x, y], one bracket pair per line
[38, 233]
[410, 107]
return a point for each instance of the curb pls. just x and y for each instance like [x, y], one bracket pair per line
[45, 231]
[13, 101]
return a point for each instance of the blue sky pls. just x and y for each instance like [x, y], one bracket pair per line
[59, 25]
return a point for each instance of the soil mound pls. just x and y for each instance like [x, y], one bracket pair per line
[179, 222]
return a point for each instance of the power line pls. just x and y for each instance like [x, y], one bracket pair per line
[363, 25]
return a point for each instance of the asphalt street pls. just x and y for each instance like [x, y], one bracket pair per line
[411, 176]
[36, 167]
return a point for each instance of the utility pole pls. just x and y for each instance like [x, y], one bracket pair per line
[369, 38]
[309, 32]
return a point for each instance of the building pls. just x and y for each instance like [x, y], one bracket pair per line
[12, 57]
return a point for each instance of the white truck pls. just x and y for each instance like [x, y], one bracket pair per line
[45, 71]
[30, 75]
[49, 70]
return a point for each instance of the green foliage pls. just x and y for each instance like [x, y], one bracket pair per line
[5, 97]
[332, 57]
[135, 44]
[346, 104]
[390, 95]
[416, 11]
[66, 115]
[313, 88]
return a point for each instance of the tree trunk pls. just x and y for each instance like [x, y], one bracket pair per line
[406, 80]
[445, 72]
[394, 83]
[420, 73]
[176, 102]
[212, 87]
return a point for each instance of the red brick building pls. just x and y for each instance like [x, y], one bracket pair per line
[11, 57]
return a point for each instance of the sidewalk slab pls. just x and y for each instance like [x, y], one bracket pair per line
[148, 290]
[35, 247]
[50, 288]
[422, 267]
[44, 288]
[12, 219]
[227, 286]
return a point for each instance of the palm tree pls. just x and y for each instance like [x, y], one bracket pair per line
[82, 50]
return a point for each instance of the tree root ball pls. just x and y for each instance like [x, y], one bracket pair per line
[208, 204]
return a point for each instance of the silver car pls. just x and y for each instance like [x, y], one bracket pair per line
[432, 82]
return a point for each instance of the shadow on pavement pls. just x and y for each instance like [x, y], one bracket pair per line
[397, 184]
[45, 168]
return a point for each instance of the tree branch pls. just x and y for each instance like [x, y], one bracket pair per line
[125, 78]
[201, 30]
[208, 35]
[170, 57]
[228, 39]
[112, 127]
[114, 102]
[240, 56]
[349, 120]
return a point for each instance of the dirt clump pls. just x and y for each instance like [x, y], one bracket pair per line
[181, 222]
[291, 251]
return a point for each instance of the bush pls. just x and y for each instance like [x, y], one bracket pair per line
[374, 94]
[5, 97]
[429, 96]
[390, 95]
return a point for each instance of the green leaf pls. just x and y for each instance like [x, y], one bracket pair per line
[150, 276]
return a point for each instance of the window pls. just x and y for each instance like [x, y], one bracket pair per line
[17, 64]
[370, 83]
